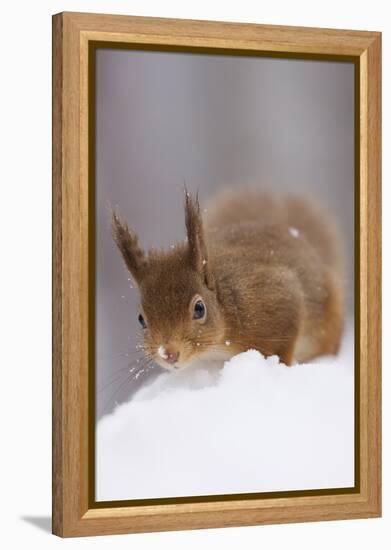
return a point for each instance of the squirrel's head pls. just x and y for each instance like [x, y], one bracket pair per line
[178, 313]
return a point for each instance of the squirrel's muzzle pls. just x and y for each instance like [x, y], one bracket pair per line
[172, 357]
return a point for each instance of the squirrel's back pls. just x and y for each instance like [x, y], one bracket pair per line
[292, 245]
[237, 207]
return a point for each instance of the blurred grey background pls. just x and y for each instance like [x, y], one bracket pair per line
[163, 118]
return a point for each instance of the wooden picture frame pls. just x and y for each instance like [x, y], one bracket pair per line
[74, 37]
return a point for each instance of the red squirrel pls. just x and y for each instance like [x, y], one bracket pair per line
[258, 272]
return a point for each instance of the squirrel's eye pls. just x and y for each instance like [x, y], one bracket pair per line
[199, 310]
[141, 321]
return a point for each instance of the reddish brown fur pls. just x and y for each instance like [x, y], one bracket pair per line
[264, 286]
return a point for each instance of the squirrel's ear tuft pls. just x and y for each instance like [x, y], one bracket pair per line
[198, 252]
[127, 242]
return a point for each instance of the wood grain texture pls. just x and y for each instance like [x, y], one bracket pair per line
[373, 262]
[72, 515]
[68, 408]
[57, 274]
[219, 34]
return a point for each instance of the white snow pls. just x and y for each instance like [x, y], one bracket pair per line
[253, 426]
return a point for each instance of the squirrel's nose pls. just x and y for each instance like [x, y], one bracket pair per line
[172, 357]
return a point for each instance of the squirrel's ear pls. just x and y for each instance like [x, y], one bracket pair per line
[127, 242]
[198, 252]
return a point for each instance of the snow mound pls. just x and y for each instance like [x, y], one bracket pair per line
[253, 426]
